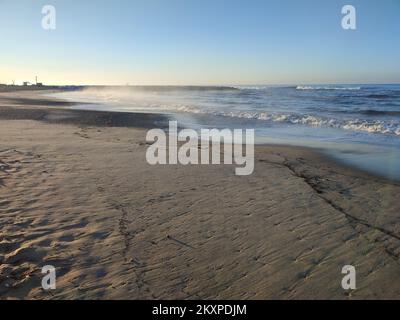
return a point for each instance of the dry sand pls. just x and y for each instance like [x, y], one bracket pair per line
[76, 192]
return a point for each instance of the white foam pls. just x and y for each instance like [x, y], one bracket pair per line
[326, 88]
[371, 126]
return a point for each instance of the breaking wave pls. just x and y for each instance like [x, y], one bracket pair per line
[370, 126]
[326, 88]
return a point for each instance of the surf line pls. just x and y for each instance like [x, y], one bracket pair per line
[234, 143]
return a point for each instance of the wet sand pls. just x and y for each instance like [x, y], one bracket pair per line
[77, 193]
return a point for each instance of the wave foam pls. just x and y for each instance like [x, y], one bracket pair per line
[370, 126]
[326, 88]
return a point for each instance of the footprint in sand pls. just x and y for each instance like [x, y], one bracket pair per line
[67, 238]
[24, 254]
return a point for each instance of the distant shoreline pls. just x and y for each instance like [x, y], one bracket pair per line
[12, 88]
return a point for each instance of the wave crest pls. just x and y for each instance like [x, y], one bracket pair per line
[326, 88]
[370, 126]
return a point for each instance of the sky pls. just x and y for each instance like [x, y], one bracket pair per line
[200, 42]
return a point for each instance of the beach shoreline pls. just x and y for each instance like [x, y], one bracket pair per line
[76, 192]
[41, 105]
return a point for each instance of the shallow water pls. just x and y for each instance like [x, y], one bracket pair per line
[357, 124]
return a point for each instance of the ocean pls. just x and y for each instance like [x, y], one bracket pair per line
[355, 124]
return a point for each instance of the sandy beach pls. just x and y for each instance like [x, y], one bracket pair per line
[77, 193]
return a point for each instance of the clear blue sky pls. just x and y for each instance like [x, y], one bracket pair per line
[200, 42]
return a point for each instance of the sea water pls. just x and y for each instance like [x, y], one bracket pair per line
[357, 124]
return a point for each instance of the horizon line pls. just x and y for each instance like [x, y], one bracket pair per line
[205, 85]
